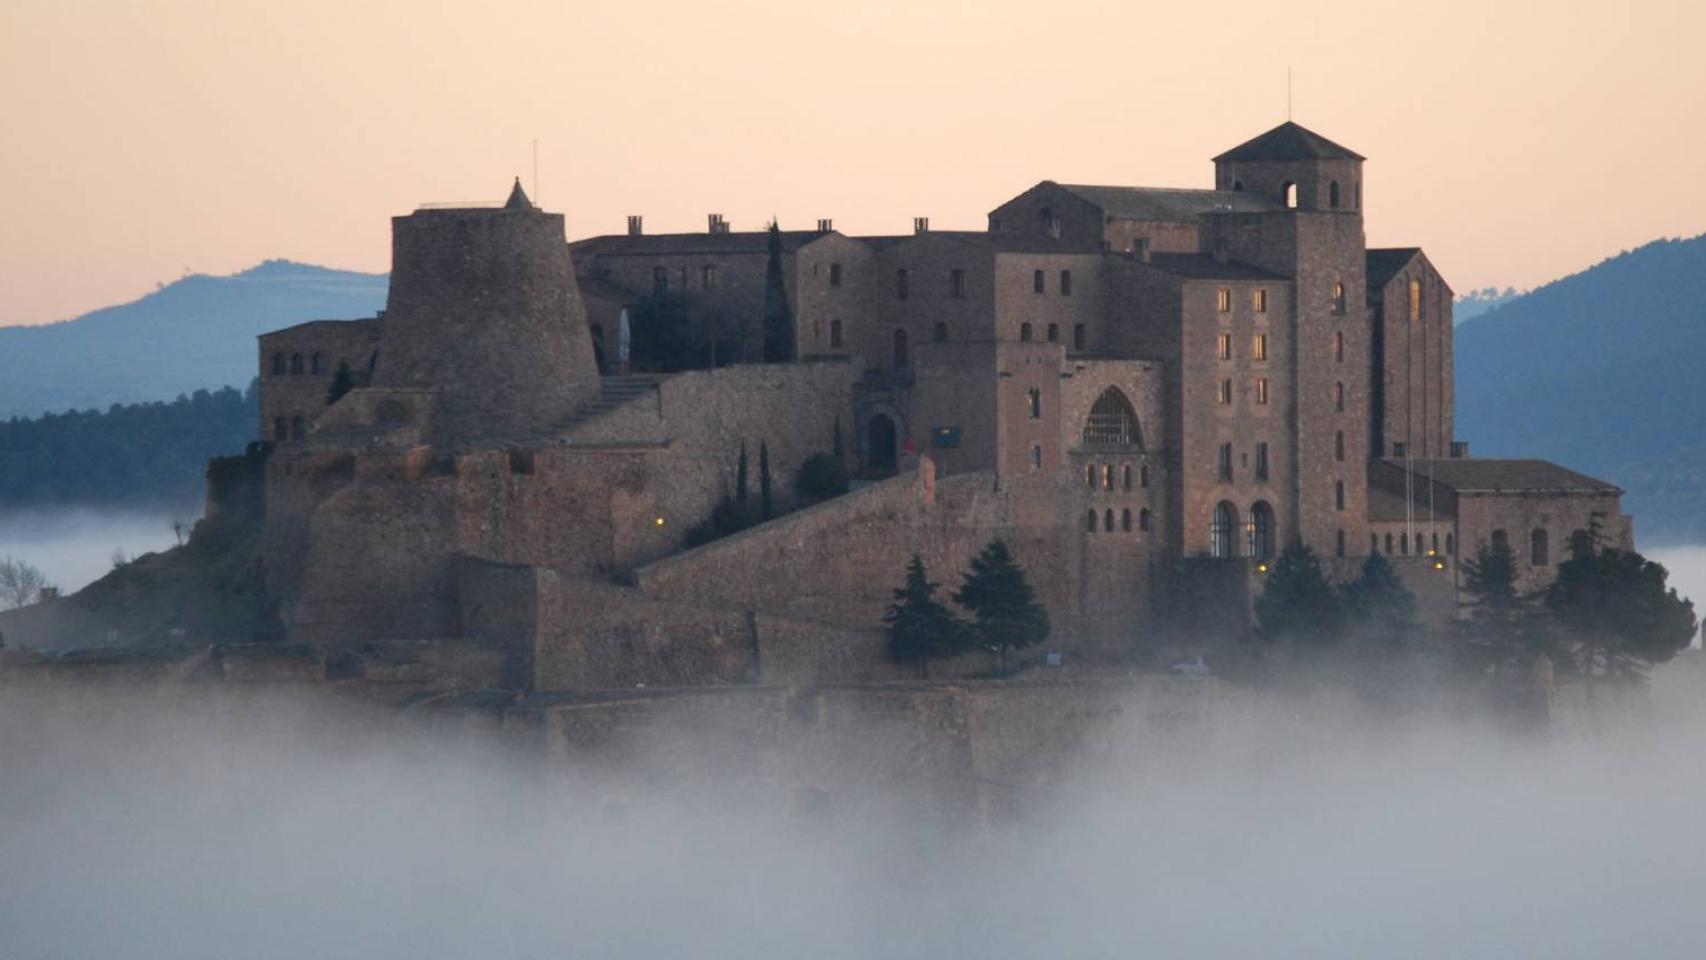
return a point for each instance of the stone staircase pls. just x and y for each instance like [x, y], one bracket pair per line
[614, 391]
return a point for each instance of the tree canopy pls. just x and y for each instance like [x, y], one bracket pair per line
[1615, 611]
[920, 627]
[1297, 603]
[1005, 613]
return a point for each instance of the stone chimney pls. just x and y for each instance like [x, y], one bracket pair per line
[920, 224]
[636, 226]
[825, 226]
[716, 223]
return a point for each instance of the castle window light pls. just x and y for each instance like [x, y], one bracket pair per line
[1090, 521]
[1539, 548]
[902, 284]
[1108, 520]
[281, 429]
[1389, 544]
[1223, 300]
[1259, 350]
[1034, 403]
[1223, 463]
[1036, 456]
[279, 364]
[1066, 283]
[1054, 333]
[835, 333]
[1221, 532]
[1339, 397]
[1143, 521]
[708, 276]
[1223, 346]
[1261, 530]
[1125, 476]
[296, 364]
[1415, 299]
[1112, 422]
[1024, 333]
[1039, 282]
[1262, 391]
[1339, 544]
[1078, 337]
[1290, 192]
[1333, 194]
[1224, 394]
[939, 333]
[297, 428]
[1339, 446]
[1338, 301]
[835, 274]
[902, 356]
[1338, 494]
[1338, 346]
[1259, 300]
[1107, 476]
[660, 279]
[957, 283]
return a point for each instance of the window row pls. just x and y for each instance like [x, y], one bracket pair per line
[288, 428]
[1404, 543]
[1103, 476]
[1539, 544]
[1039, 282]
[1107, 520]
[1223, 462]
[1223, 395]
[1258, 300]
[1258, 531]
[296, 365]
[708, 275]
[1258, 346]
[1052, 334]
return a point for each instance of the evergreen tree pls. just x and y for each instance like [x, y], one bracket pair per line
[1615, 610]
[919, 626]
[740, 479]
[838, 447]
[1006, 614]
[342, 382]
[1501, 623]
[1378, 604]
[1297, 603]
[778, 319]
[821, 477]
[766, 507]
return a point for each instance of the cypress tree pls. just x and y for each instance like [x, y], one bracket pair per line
[838, 446]
[778, 319]
[765, 505]
[740, 479]
[919, 626]
[1005, 613]
[342, 382]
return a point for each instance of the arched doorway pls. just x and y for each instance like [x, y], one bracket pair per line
[880, 444]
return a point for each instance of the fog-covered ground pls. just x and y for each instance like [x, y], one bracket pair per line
[75, 546]
[158, 829]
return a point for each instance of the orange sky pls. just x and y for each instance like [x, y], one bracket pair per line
[1516, 141]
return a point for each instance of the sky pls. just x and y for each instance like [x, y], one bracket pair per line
[1516, 141]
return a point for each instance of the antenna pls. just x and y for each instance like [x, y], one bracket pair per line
[1288, 94]
[535, 171]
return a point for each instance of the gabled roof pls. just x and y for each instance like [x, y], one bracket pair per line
[1289, 141]
[1164, 204]
[1203, 266]
[1477, 475]
[654, 244]
[1384, 263]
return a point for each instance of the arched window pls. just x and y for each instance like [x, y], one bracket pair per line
[1333, 194]
[1143, 519]
[1339, 397]
[1261, 530]
[1107, 476]
[1090, 521]
[1374, 543]
[940, 333]
[1125, 476]
[1025, 332]
[1090, 476]
[1108, 520]
[835, 333]
[1111, 422]
[1539, 548]
[1339, 298]
[1054, 333]
[1078, 337]
[1290, 191]
[1038, 284]
[1125, 520]
[1389, 544]
[295, 363]
[1220, 532]
[278, 363]
[1338, 346]
[901, 358]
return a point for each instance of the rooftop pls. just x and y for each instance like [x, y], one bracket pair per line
[1203, 266]
[653, 244]
[1476, 475]
[1167, 205]
[1384, 263]
[1289, 141]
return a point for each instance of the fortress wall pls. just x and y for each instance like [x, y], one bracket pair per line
[596, 635]
[1519, 514]
[285, 394]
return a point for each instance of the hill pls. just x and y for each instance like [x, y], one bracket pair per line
[1600, 371]
[192, 334]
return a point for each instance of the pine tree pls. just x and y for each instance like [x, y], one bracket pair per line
[1501, 623]
[1378, 604]
[342, 382]
[766, 507]
[1005, 613]
[740, 479]
[920, 627]
[778, 319]
[1615, 609]
[1297, 603]
[838, 447]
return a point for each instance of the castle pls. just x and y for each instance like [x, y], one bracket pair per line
[1146, 392]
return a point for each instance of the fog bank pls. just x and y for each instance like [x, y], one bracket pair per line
[219, 828]
[74, 545]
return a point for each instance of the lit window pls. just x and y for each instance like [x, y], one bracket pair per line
[1107, 476]
[1225, 396]
[1223, 346]
[1339, 298]
[1261, 348]
[1415, 300]
[1259, 300]
[1223, 300]
[1262, 390]
[1034, 398]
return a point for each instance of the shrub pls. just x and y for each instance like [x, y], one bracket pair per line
[822, 476]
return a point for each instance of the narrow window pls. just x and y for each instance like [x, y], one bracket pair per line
[660, 278]
[1225, 396]
[1025, 332]
[1339, 397]
[1339, 299]
[1262, 460]
[278, 363]
[1338, 346]
[835, 274]
[1036, 456]
[1221, 531]
[1539, 549]
[1260, 351]
[1143, 520]
[1224, 467]
[1034, 398]
[1290, 191]
[835, 333]
[957, 284]
[1259, 300]
[1403, 544]
[1341, 543]
[1415, 300]
[1054, 333]
[1108, 520]
[1125, 477]
[902, 289]
[1223, 346]
[1107, 476]
[1262, 391]
[295, 364]
[708, 276]
[1143, 476]
[1066, 283]
[1125, 519]
[1339, 446]
[1223, 300]
[940, 332]
[1078, 337]
[1039, 283]
[1389, 544]
[1338, 494]
[1090, 475]
[900, 352]
[1374, 543]
[1333, 201]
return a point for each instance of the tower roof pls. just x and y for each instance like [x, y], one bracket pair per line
[1289, 141]
[518, 198]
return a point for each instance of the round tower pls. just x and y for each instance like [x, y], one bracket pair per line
[484, 311]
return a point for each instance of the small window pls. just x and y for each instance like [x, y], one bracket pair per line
[1223, 346]
[1339, 299]
[1339, 397]
[1338, 494]
[1090, 475]
[1341, 543]
[835, 274]
[835, 333]
[1290, 192]
[1333, 200]
[1225, 393]
[1066, 283]
[1262, 460]
[1107, 476]
[1143, 520]
[1539, 548]
[1389, 544]
[708, 276]
[939, 333]
[1224, 464]
[1403, 544]
[1339, 446]
[1034, 401]
[1223, 300]
[1259, 300]
[1025, 332]
[317, 364]
[1036, 456]
[1374, 543]
[1108, 520]
[1415, 300]
[1260, 349]
[1338, 346]
[660, 279]
[957, 284]
[1450, 545]
[1262, 391]
[1125, 519]
[1054, 333]
[295, 364]
[1078, 337]
[1039, 282]
[902, 288]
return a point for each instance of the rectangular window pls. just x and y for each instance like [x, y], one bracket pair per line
[1338, 495]
[1066, 283]
[1339, 346]
[902, 289]
[835, 274]
[1223, 300]
[957, 284]
[1259, 301]
[1262, 460]
[708, 277]
[1223, 346]
[1262, 390]
[1038, 283]
[1225, 393]
[1224, 467]
[1260, 350]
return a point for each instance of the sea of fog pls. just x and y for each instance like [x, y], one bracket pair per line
[162, 828]
[75, 546]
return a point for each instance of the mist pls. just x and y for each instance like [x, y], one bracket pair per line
[74, 546]
[229, 826]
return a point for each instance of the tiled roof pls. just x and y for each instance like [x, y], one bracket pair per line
[1477, 475]
[1289, 141]
[1166, 205]
[1000, 241]
[1202, 266]
[655, 244]
[1384, 263]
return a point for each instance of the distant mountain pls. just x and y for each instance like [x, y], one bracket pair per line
[1476, 302]
[198, 332]
[1601, 371]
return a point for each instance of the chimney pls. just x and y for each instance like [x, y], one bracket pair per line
[1222, 251]
[717, 223]
[635, 227]
[920, 224]
[825, 226]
